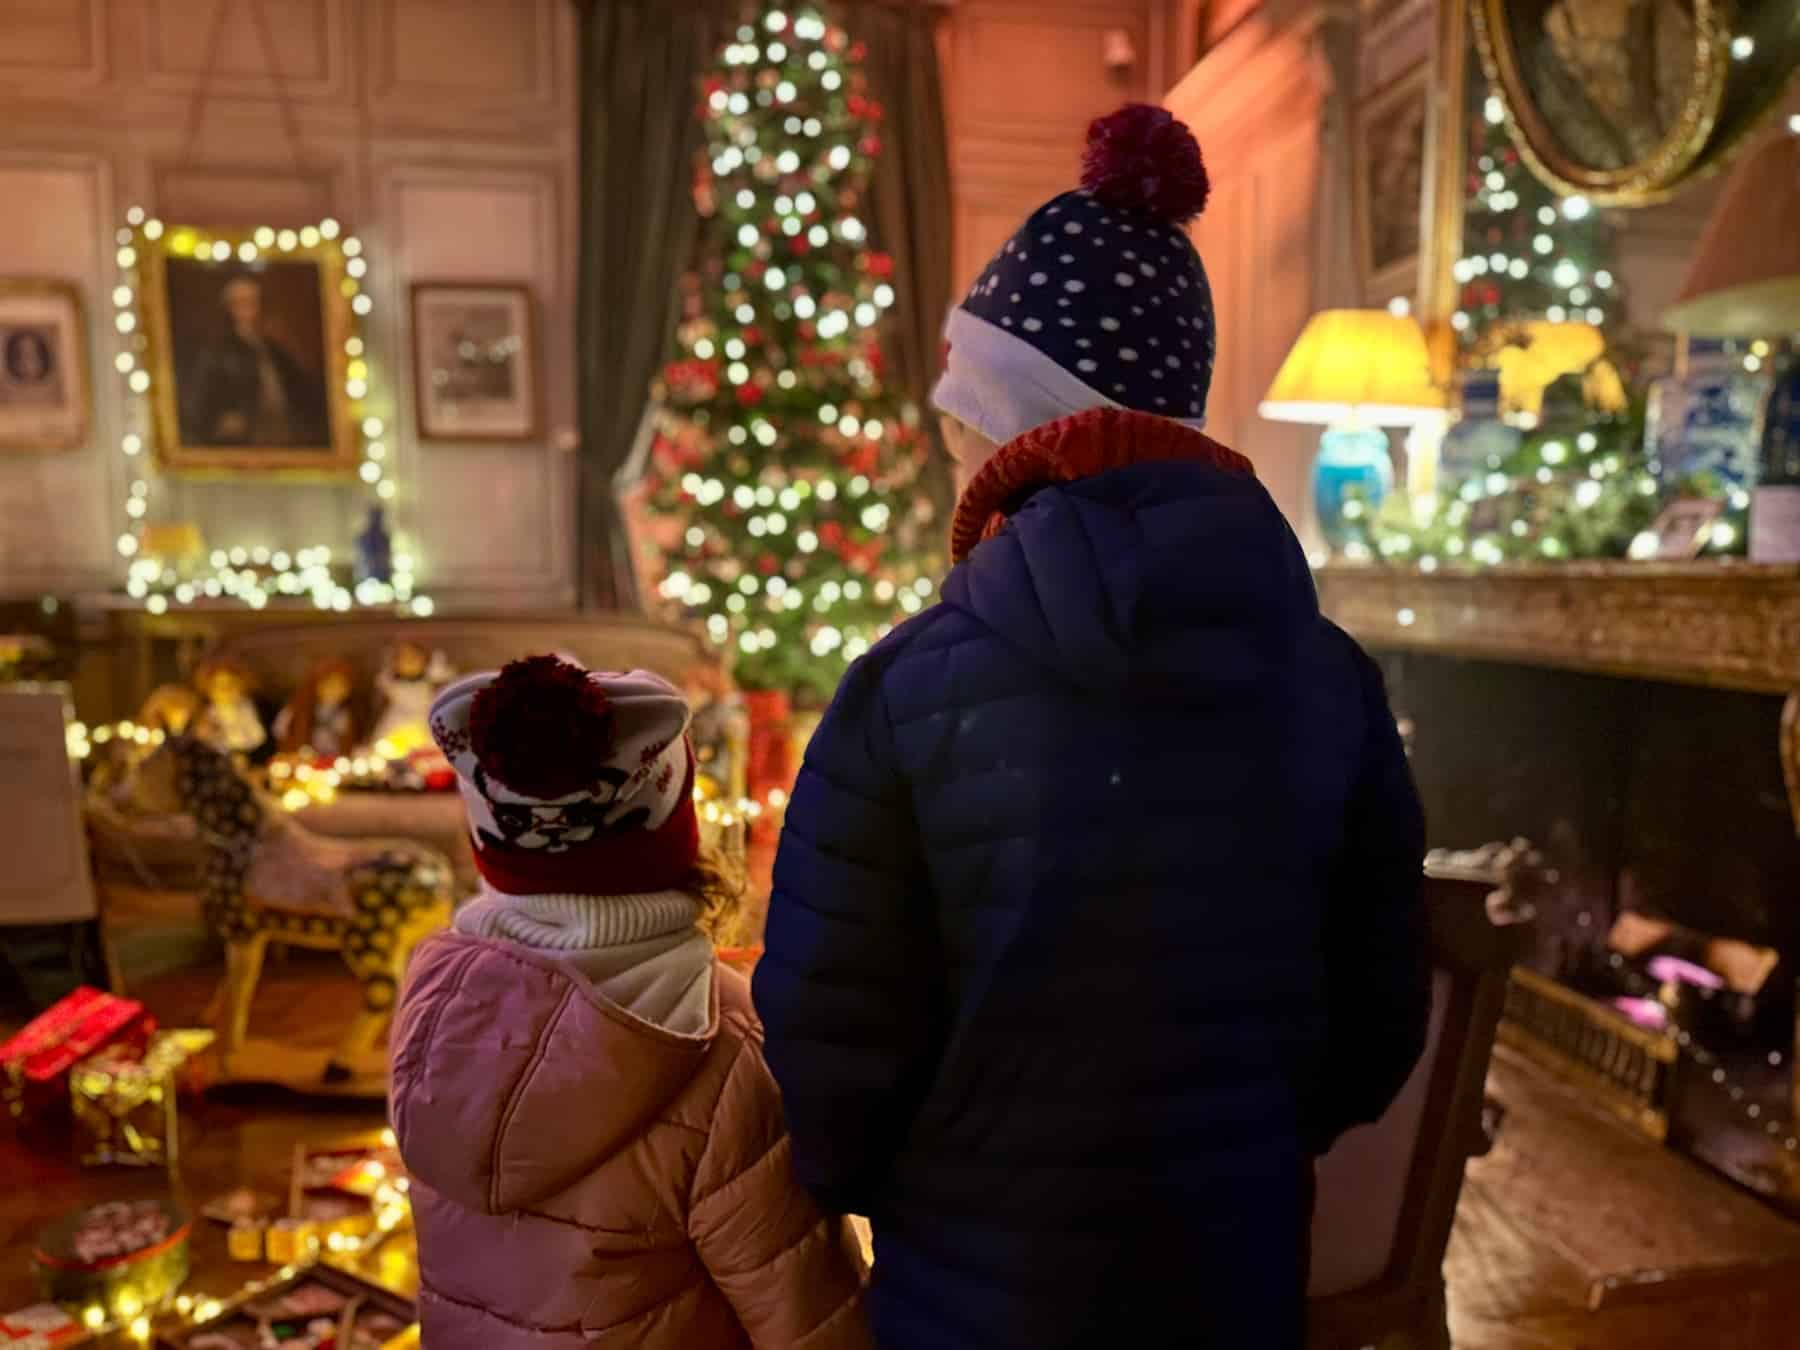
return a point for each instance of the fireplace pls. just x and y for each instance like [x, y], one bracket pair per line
[1665, 866]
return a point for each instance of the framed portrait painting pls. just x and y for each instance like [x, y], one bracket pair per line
[475, 363]
[247, 345]
[1390, 186]
[43, 366]
[1625, 101]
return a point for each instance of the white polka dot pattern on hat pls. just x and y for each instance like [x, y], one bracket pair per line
[1132, 306]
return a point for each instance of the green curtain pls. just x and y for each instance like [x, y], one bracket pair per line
[909, 201]
[641, 61]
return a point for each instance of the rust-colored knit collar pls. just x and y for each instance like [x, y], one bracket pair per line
[1078, 446]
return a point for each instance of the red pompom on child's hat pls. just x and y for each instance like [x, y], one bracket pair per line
[1142, 158]
[542, 728]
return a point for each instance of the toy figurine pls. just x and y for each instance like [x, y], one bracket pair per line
[408, 681]
[170, 709]
[230, 720]
[321, 716]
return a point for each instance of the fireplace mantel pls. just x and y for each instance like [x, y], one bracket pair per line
[1728, 625]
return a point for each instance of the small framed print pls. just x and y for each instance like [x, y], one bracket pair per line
[1684, 526]
[1390, 184]
[43, 366]
[475, 372]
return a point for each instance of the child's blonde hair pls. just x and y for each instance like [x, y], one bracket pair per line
[717, 881]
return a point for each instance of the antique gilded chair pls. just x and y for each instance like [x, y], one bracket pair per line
[1387, 1192]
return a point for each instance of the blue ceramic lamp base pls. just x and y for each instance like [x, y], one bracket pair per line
[1353, 464]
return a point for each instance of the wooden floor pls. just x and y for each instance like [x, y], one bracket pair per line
[1566, 1203]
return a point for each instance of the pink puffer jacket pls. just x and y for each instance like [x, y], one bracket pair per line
[583, 1178]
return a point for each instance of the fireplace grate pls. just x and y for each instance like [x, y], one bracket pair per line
[1628, 1069]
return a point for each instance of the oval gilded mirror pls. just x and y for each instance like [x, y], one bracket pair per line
[1624, 101]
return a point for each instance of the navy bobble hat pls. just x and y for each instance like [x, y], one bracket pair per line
[1099, 300]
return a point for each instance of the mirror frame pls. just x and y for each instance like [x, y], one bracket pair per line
[1730, 98]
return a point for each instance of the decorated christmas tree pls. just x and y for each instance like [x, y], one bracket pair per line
[1527, 253]
[785, 475]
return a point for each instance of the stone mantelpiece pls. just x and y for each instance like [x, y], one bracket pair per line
[1728, 625]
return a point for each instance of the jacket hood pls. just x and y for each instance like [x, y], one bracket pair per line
[1127, 552]
[512, 1079]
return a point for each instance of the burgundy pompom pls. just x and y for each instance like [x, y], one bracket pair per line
[542, 728]
[1142, 158]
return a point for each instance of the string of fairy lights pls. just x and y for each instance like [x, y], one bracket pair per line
[252, 576]
[297, 785]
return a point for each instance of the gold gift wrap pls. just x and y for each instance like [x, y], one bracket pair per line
[245, 1240]
[125, 1107]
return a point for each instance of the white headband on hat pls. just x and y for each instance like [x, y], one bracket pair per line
[1003, 387]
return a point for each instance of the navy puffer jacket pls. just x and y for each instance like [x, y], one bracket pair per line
[1096, 916]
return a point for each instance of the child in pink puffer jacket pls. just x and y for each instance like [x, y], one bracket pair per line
[597, 1149]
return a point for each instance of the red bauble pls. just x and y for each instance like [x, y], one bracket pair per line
[870, 145]
[799, 246]
[881, 265]
[767, 564]
[858, 50]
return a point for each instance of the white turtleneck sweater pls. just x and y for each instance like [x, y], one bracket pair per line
[642, 952]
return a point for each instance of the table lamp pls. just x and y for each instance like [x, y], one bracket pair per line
[1744, 281]
[1353, 372]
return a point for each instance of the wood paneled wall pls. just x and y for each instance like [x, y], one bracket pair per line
[441, 131]
[1257, 101]
[1022, 80]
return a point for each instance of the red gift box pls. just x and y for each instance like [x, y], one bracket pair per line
[36, 1062]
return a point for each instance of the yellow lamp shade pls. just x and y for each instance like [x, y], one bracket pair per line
[1356, 365]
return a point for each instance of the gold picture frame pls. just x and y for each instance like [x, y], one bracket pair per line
[1392, 140]
[45, 385]
[1629, 101]
[1453, 80]
[247, 335]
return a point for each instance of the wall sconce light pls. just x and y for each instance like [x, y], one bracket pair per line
[1118, 51]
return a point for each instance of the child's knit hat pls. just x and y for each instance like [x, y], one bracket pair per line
[575, 782]
[1099, 300]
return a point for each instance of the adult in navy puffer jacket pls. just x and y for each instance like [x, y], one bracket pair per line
[1097, 911]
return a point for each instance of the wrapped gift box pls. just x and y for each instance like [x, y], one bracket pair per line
[35, 1065]
[125, 1104]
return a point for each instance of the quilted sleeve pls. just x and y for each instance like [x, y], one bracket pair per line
[1377, 935]
[846, 986]
[793, 1276]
